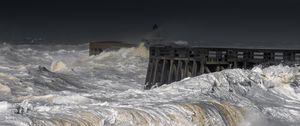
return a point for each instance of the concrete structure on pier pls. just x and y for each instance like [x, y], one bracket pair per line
[96, 48]
[173, 63]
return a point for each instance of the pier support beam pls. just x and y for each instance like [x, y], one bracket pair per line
[162, 76]
[155, 71]
[170, 78]
[194, 69]
[150, 72]
[245, 65]
[178, 71]
[207, 70]
[234, 64]
[202, 63]
[186, 69]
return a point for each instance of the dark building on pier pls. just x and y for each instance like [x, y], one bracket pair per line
[96, 48]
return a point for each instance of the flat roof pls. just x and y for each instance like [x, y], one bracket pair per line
[99, 44]
[223, 47]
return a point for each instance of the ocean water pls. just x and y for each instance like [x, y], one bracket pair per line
[62, 86]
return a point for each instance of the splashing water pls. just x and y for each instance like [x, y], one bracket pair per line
[64, 86]
[58, 66]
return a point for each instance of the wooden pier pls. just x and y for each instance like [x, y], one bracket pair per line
[173, 63]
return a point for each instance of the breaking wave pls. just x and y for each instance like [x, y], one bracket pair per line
[62, 85]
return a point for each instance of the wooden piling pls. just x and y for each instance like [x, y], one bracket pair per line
[202, 63]
[163, 72]
[155, 71]
[178, 71]
[194, 68]
[170, 79]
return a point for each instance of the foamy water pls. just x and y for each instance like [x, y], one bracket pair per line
[62, 85]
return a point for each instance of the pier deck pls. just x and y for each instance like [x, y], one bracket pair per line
[173, 63]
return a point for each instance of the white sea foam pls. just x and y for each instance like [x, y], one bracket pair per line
[73, 99]
[4, 106]
[4, 89]
[62, 85]
[58, 66]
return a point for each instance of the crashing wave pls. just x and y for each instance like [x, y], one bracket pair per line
[107, 89]
[58, 66]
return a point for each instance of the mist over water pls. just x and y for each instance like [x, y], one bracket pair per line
[62, 85]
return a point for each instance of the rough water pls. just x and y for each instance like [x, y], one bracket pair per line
[63, 86]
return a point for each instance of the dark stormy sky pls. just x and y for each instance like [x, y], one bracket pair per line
[211, 20]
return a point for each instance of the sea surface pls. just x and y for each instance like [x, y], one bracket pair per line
[61, 85]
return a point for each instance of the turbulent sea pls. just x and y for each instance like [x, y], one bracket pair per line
[63, 86]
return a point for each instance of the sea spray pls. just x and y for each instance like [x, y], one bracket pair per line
[107, 89]
[58, 66]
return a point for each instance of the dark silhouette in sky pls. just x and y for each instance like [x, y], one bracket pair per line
[155, 27]
[210, 20]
